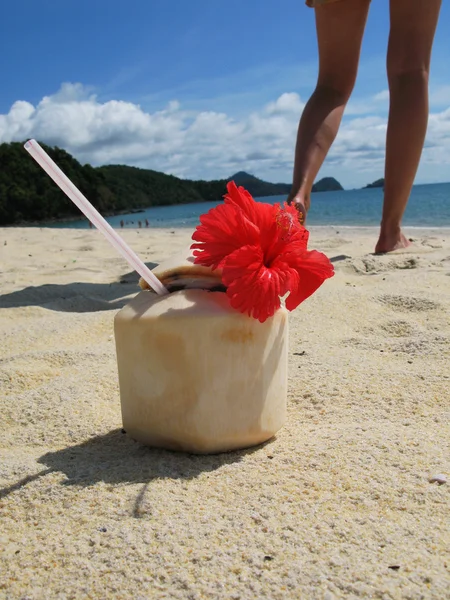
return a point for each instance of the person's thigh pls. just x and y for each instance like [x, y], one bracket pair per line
[413, 25]
[340, 28]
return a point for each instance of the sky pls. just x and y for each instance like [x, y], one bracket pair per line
[199, 89]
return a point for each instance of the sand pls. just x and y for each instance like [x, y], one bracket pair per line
[338, 505]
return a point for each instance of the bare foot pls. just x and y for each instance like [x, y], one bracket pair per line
[390, 242]
[302, 206]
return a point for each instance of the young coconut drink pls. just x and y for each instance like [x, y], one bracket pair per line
[197, 371]
[204, 368]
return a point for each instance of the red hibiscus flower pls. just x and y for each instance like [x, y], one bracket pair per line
[262, 251]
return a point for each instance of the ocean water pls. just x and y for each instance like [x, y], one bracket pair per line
[429, 206]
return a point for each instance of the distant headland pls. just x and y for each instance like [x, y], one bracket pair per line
[27, 194]
[258, 187]
[379, 183]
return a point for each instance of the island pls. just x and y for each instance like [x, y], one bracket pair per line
[28, 195]
[379, 183]
[327, 184]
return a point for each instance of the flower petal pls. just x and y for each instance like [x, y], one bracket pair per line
[252, 287]
[259, 213]
[223, 229]
[262, 250]
[312, 268]
[298, 230]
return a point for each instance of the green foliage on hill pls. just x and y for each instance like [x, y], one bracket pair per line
[27, 194]
[257, 187]
[379, 183]
[327, 184]
[138, 188]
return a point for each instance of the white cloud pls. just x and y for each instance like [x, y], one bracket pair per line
[210, 144]
[378, 103]
[286, 104]
[16, 124]
[381, 96]
[440, 96]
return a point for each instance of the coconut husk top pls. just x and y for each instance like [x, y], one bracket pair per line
[179, 273]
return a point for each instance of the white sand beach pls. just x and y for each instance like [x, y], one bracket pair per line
[340, 504]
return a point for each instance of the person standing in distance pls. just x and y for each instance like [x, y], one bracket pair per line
[340, 27]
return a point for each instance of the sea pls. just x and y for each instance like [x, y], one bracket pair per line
[428, 206]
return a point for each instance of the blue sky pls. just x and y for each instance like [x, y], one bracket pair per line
[200, 89]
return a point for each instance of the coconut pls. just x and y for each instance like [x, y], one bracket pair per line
[196, 375]
[180, 273]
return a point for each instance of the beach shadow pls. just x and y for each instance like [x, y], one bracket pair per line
[339, 257]
[78, 296]
[133, 277]
[14, 487]
[116, 458]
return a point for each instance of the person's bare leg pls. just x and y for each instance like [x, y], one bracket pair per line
[340, 27]
[413, 25]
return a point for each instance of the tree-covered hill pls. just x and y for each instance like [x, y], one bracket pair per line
[379, 183]
[27, 194]
[327, 184]
[257, 187]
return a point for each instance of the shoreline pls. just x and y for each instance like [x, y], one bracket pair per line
[361, 209]
[358, 228]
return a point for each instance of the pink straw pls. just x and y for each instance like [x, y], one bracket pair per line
[52, 169]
